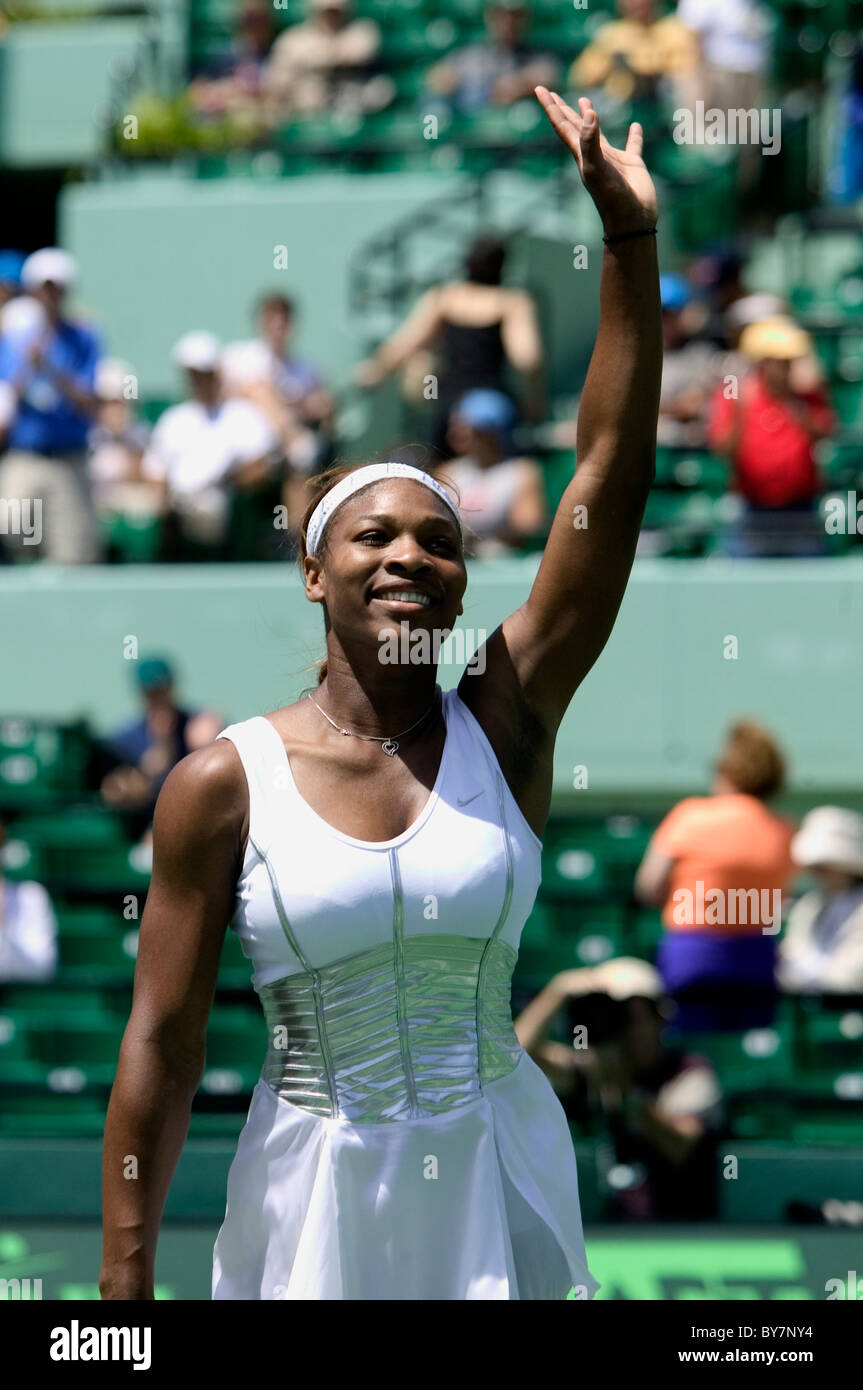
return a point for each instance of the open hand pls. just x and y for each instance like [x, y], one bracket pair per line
[617, 180]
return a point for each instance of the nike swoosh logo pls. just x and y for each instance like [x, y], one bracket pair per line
[464, 801]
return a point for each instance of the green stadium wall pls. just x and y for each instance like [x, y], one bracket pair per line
[646, 720]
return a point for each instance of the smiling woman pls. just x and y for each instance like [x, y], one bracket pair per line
[401, 1143]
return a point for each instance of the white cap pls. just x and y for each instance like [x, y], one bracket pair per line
[111, 377]
[832, 837]
[198, 352]
[242, 363]
[752, 308]
[23, 316]
[627, 977]
[49, 264]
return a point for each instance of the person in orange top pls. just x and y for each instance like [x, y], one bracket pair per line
[718, 867]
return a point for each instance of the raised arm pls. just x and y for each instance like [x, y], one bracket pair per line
[198, 832]
[555, 637]
[418, 331]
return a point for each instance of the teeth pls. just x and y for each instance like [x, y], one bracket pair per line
[408, 596]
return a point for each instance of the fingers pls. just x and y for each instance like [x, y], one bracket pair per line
[565, 121]
[635, 139]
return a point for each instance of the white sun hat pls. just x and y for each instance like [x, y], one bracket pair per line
[627, 977]
[197, 351]
[832, 837]
[51, 264]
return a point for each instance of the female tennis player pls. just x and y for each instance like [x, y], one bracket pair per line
[376, 846]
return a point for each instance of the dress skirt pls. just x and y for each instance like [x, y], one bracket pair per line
[480, 1202]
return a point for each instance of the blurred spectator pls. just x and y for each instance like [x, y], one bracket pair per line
[743, 311]
[28, 930]
[232, 82]
[11, 265]
[662, 1105]
[766, 430]
[290, 391]
[501, 496]
[326, 63]
[734, 50]
[205, 449]
[822, 946]
[502, 69]
[50, 366]
[688, 370]
[117, 442]
[717, 279]
[717, 866]
[476, 325]
[639, 57]
[145, 750]
[845, 179]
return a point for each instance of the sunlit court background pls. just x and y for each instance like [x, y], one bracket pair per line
[181, 215]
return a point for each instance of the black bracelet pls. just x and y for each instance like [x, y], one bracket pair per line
[627, 236]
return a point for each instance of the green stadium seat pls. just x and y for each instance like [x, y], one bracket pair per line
[644, 931]
[691, 468]
[236, 1037]
[96, 956]
[235, 969]
[205, 1125]
[758, 1059]
[557, 473]
[572, 865]
[542, 926]
[47, 999]
[14, 1037]
[848, 403]
[80, 1041]
[135, 540]
[538, 963]
[47, 1114]
[85, 849]
[41, 761]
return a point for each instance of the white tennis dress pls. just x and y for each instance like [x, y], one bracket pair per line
[400, 1143]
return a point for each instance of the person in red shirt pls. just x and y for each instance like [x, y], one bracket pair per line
[767, 430]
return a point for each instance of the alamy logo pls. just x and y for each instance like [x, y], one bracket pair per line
[76, 1343]
[441, 646]
[738, 126]
[718, 907]
[22, 516]
[20, 1290]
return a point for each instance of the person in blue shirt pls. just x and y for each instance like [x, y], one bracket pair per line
[11, 264]
[51, 369]
[144, 751]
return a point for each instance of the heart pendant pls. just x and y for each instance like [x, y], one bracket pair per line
[390, 747]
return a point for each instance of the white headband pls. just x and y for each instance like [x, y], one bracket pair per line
[361, 477]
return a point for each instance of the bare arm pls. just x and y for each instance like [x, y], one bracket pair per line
[198, 832]
[556, 636]
[653, 879]
[418, 331]
[520, 332]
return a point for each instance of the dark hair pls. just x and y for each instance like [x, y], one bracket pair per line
[751, 759]
[485, 259]
[320, 485]
[277, 301]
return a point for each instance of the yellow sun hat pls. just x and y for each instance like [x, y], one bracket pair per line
[779, 337]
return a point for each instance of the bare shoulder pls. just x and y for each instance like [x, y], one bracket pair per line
[205, 795]
[516, 299]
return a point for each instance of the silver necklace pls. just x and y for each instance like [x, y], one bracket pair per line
[389, 745]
